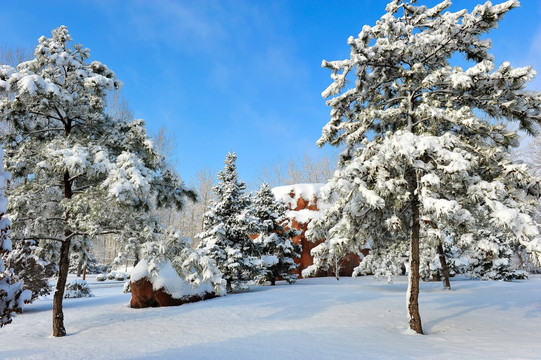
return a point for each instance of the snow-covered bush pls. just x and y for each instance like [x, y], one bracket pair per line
[126, 289]
[117, 275]
[77, 289]
[101, 277]
[121, 276]
[490, 259]
[28, 267]
[12, 295]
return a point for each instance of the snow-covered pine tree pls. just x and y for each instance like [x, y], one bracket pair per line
[76, 172]
[278, 253]
[227, 226]
[426, 146]
[12, 294]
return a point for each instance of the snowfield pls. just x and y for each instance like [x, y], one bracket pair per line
[313, 319]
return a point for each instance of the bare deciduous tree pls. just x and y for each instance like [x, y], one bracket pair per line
[166, 142]
[118, 106]
[297, 171]
[13, 56]
[205, 181]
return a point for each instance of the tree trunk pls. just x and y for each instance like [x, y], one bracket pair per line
[79, 268]
[58, 314]
[136, 261]
[444, 268]
[337, 267]
[413, 278]
[84, 272]
[522, 266]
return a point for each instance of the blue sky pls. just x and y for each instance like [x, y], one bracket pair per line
[241, 75]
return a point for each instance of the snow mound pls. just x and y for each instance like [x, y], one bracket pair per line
[169, 280]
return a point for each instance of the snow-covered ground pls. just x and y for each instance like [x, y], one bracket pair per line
[314, 319]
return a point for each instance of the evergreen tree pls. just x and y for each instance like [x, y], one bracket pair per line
[278, 253]
[12, 294]
[426, 146]
[76, 171]
[227, 226]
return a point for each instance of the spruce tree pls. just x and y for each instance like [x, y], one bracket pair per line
[76, 171]
[426, 149]
[278, 253]
[227, 226]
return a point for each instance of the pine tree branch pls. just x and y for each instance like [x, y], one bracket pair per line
[51, 238]
[26, 134]
[47, 219]
[62, 117]
[76, 176]
[48, 116]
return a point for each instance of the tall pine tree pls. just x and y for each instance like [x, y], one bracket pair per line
[426, 146]
[227, 226]
[76, 171]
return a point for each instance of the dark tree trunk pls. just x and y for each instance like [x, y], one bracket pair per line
[337, 267]
[444, 268]
[58, 314]
[79, 268]
[413, 278]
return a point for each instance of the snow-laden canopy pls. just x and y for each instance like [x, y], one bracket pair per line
[426, 160]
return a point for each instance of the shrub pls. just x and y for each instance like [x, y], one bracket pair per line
[77, 289]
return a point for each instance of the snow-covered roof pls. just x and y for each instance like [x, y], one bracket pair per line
[305, 191]
[290, 194]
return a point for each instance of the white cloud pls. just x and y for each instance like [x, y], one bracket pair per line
[175, 24]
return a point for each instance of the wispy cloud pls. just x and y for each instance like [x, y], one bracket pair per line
[173, 24]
